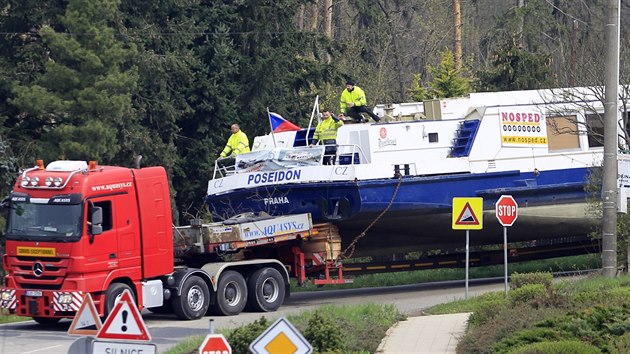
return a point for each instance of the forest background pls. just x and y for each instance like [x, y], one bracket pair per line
[107, 80]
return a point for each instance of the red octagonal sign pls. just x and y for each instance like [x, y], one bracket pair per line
[507, 210]
[215, 344]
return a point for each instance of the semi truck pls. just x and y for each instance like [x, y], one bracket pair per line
[76, 227]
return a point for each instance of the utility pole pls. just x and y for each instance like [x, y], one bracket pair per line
[609, 195]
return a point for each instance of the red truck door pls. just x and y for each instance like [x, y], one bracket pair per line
[100, 252]
[156, 221]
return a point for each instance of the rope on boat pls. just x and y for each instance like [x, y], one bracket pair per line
[349, 251]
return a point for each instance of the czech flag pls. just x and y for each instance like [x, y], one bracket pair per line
[279, 124]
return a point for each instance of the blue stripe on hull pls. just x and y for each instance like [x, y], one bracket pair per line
[342, 201]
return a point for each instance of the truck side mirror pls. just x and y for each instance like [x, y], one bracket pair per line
[95, 222]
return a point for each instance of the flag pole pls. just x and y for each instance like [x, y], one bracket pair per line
[271, 125]
[310, 122]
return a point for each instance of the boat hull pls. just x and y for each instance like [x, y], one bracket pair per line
[415, 213]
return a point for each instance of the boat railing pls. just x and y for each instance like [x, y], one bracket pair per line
[355, 151]
[346, 154]
[224, 166]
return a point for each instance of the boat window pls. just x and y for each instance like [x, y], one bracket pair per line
[595, 129]
[562, 133]
[433, 137]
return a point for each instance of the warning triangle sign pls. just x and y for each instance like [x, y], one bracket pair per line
[125, 322]
[467, 216]
[86, 322]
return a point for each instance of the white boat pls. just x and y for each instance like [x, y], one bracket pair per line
[397, 179]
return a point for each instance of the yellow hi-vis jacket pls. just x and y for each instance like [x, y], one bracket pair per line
[237, 144]
[357, 96]
[326, 130]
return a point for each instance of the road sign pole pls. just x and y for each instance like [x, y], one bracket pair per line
[505, 259]
[467, 259]
[467, 215]
[506, 212]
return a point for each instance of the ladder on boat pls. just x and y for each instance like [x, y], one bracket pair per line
[462, 143]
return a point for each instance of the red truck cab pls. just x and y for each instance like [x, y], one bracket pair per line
[75, 227]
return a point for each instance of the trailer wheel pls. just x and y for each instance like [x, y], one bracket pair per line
[193, 303]
[231, 294]
[266, 290]
[113, 294]
[46, 321]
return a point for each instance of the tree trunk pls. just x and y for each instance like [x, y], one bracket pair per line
[300, 18]
[328, 19]
[328, 31]
[315, 15]
[457, 24]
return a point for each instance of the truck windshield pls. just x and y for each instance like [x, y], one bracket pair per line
[44, 221]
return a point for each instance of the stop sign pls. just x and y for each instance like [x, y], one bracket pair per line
[507, 210]
[215, 344]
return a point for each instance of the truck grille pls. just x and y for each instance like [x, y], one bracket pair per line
[50, 278]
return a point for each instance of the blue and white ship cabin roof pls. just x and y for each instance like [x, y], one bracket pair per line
[535, 130]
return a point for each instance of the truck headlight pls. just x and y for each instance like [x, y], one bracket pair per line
[5, 295]
[34, 181]
[57, 181]
[48, 182]
[25, 181]
[65, 299]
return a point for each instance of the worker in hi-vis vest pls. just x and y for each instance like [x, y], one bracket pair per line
[353, 103]
[326, 134]
[237, 143]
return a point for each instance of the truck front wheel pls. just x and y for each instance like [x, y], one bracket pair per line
[266, 290]
[193, 303]
[231, 294]
[114, 292]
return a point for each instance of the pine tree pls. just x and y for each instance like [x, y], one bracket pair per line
[82, 100]
[447, 81]
[515, 69]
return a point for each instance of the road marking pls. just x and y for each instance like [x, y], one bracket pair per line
[41, 349]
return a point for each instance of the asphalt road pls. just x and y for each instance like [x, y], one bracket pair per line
[29, 337]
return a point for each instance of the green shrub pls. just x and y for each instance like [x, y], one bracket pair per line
[559, 347]
[619, 345]
[527, 337]
[536, 293]
[324, 334]
[619, 295]
[243, 336]
[360, 326]
[486, 311]
[518, 280]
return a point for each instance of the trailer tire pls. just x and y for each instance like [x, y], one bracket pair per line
[266, 290]
[46, 321]
[113, 293]
[231, 294]
[193, 303]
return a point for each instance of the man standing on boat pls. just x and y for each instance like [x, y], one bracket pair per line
[326, 134]
[237, 143]
[353, 103]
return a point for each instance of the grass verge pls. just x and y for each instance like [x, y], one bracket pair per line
[572, 263]
[590, 314]
[8, 318]
[330, 329]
